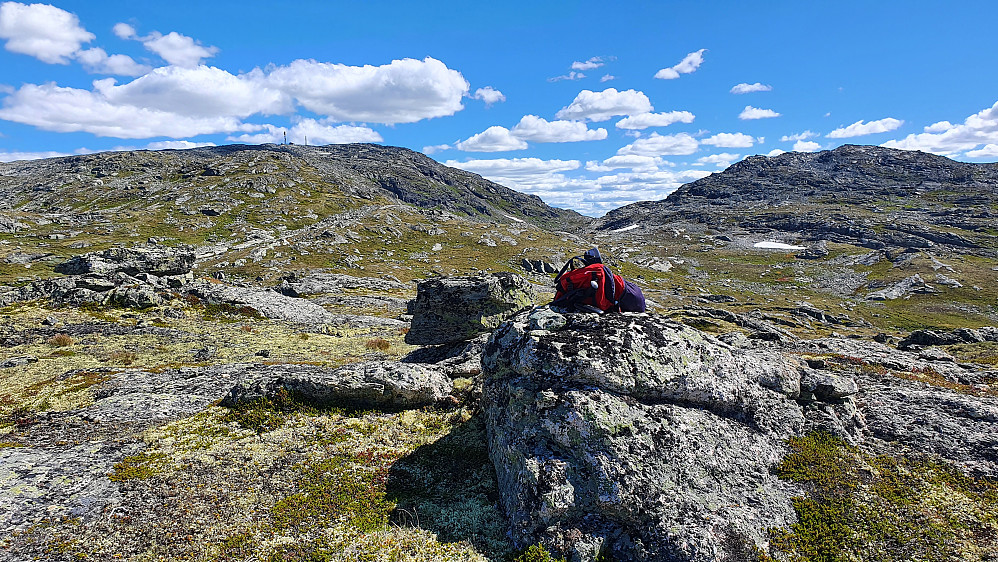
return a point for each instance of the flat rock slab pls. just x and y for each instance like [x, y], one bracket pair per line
[381, 384]
[265, 302]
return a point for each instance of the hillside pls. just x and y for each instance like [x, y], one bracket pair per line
[318, 353]
[315, 206]
[870, 196]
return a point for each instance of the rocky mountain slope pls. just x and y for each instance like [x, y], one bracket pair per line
[319, 353]
[869, 196]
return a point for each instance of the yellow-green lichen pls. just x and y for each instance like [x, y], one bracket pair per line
[876, 507]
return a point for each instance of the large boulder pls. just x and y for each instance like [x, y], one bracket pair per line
[453, 309]
[132, 261]
[636, 437]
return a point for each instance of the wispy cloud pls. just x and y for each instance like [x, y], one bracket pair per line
[756, 113]
[689, 64]
[744, 88]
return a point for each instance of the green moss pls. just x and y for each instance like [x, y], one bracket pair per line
[269, 412]
[138, 467]
[339, 487]
[865, 507]
[537, 553]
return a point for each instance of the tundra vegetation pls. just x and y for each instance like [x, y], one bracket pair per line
[283, 477]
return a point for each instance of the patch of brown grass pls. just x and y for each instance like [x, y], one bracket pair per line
[61, 340]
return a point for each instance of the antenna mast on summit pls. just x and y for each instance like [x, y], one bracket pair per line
[306, 140]
[285, 137]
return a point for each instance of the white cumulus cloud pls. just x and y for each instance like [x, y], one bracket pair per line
[645, 120]
[536, 129]
[312, 131]
[607, 78]
[949, 139]
[97, 60]
[656, 144]
[806, 146]
[600, 106]
[689, 64]
[722, 160]
[176, 145]
[14, 156]
[403, 91]
[64, 110]
[730, 140]
[593, 62]
[744, 88]
[799, 136]
[489, 95]
[42, 31]
[859, 128]
[436, 148]
[986, 151]
[174, 48]
[776, 152]
[200, 91]
[756, 113]
[631, 161]
[493, 139]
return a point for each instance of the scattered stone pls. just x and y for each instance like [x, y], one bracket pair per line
[948, 281]
[18, 361]
[911, 285]
[815, 251]
[538, 266]
[452, 309]
[263, 353]
[50, 321]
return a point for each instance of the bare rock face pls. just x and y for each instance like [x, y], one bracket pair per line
[132, 261]
[632, 436]
[453, 309]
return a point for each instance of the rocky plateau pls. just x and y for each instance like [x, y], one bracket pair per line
[344, 353]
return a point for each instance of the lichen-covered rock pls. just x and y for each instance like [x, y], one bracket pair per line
[960, 335]
[637, 437]
[382, 384]
[265, 302]
[452, 309]
[157, 261]
[903, 288]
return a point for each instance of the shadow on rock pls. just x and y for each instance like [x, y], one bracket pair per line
[449, 488]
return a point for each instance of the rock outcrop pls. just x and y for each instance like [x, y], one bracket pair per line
[453, 309]
[387, 385]
[131, 261]
[632, 436]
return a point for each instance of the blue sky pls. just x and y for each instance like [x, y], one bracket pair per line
[588, 105]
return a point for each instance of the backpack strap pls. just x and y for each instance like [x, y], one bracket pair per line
[567, 267]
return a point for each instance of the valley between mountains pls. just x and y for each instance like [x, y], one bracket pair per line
[220, 354]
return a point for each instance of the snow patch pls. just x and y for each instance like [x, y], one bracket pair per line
[626, 228]
[512, 217]
[777, 246]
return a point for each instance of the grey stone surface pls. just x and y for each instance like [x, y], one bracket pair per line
[157, 261]
[452, 309]
[903, 288]
[266, 302]
[381, 384]
[644, 439]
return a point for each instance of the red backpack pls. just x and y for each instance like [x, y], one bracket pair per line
[594, 288]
